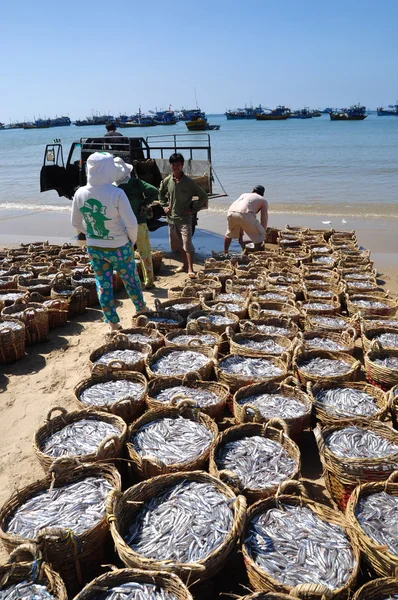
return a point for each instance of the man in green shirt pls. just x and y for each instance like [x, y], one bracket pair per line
[176, 195]
[140, 195]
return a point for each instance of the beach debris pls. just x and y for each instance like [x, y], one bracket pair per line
[294, 546]
[26, 589]
[76, 506]
[172, 441]
[259, 462]
[347, 401]
[357, 442]
[201, 397]
[248, 366]
[79, 438]
[179, 362]
[128, 357]
[275, 405]
[109, 392]
[377, 516]
[191, 520]
[326, 367]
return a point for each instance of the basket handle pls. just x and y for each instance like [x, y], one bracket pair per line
[158, 306]
[195, 342]
[117, 364]
[247, 417]
[231, 479]
[191, 376]
[350, 331]
[148, 463]
[376, 346]
[79, 291]
[297, 352]
[180, 396]
[120, 337]
[63, 463]
[295, 486]
[277, 424]
[248, 327]
[54, 409]
[29, 313]
[229, 332]
[309, 590]
[142, 321]
[28, 548]
[111, 440]
[203, 322]
[291, 381]
[111, 500]
[192, 327]
[393, 478]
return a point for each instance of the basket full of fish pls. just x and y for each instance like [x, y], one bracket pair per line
[65, 514]
[144, 335]
[163, 320]
[343, 342]
[372, 511]
[327, 323]
[368, 305]
[121, 393]
[186, 523]
[255, 458]
[339, 404]
[252, 344]
[264, 310]
[120, 354]
[356, 453]
[238, 371]
[26, 575]
[135, 584]
[384, 588]
[181, 361]
[216, 321]
[292, 543]
[183, 306]
[194, 335]
[33, 315]
[171, 439]
[323, 366]
[282, 326]
[12, 341]
[83, 434]
[381, 365]
[264, 401]
[209, 397]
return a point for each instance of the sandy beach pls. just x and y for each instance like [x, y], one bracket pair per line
[46, 377]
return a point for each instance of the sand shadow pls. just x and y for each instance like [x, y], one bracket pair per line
[4, 381]
[33, 362]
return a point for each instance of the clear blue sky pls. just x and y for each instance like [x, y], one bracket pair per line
[74, 57]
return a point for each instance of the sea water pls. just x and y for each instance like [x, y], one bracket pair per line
[313, 166]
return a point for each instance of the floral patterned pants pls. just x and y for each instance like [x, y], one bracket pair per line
[121, 260]
[145, 252]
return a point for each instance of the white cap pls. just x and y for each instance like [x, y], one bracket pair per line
[123, 169]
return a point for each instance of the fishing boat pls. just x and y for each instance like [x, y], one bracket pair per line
[356, 112]
[279, 113]
[249, 112]
[303, 113]
[200, 124]
[60, 122]
[95, 120]
[38, 124]
[316, 113]
[16, 125]
[137, 120]
[165, 117]
[190, 114]
[2, 126]
[391, 110]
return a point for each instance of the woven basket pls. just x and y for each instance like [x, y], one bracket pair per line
[205, 372]
[301, 355]
[327, 419]
[149, 466]
[285, 294]
[12, 343]
[145, 320]
[311, 324]
[235, 381]
[200, 317]
[22, 297]
[88, 281]
[194, 332]
[378, 557]
[393, 405]
[215, 411]
[342, 475]
[244, 285]
[222, 273]
[155, 339]
[57, 312]
[376, 374]
[41, 286]
[129, 408]
[290, 387]
[274, 309]
[284, 322]
[77, 297]
[379, 589]
[7, 282]
[211, 283]
[236, 348]
[375, 322]
[346, 339]
[121, 509]
[183, 312]
[157, 260]
[275, 430]
[326, 307]
[25, 563]
[72, 556]
[109, 449]
[119, 342]
[35, 318]
[191, 291]
[218, 306]
[211, 263]
[368, 337]
[329, 292]
[168, 582]
[261, 580]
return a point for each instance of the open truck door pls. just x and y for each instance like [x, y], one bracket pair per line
[55, 176]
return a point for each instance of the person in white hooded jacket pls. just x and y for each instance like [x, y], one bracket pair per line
[104, 213]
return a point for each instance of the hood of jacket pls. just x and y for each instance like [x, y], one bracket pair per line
[101, 169]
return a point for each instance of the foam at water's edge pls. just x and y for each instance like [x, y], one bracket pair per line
[34, 207]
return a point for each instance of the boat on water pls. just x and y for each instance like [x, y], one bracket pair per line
[280, 113]
[391, 110]
[38, 124]
[201, 124]
[186, 114]
[165, 117]
[326, 111]
[95, 120]
[137, 120]
[249, 112]
[2, 126]
[303, 113]
[357, 112]
[16, 125]
[316, 113]
[60, 122]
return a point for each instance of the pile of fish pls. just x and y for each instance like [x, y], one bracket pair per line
[166, 320]
[323, 343]
[201, 397]
[109, 392]
[139, 337]
[179, 362]
[26, 589]
[128, 357]
[272, 329]
[326, 367]
[206, 339]
[368, 303]
[357, 442]
[231, 297]
[183, 306]
[185, 523]
[13, 325]
[319, 306]
[377, 515]
[272, 297]
[79, 438]
[219, 319]
[327, 260]
[77, 506]
[275, 405]
[228, 307]
[321, 294]
[389, 362]
[383, 322]
[20, 314]
[259, 462]
[388, 339]
[293, 545]
[135, 591]
[172, 441]
[347, 402]
[333, 322]
[247, 366]
[265, 345]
